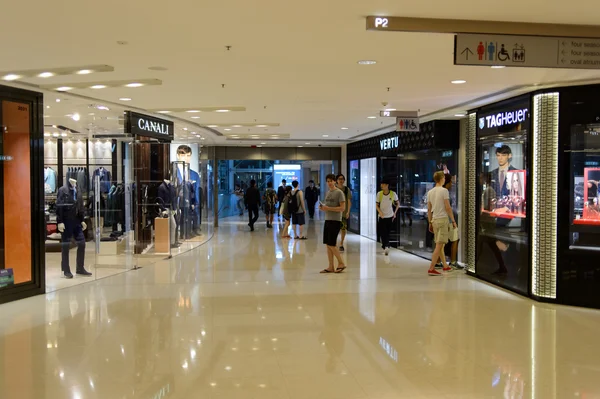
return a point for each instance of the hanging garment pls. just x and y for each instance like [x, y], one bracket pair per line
[49, 180]
[104, 176]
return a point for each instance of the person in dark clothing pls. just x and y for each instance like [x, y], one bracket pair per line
[312, 196]
[281, 193]
[69, 216]
[253, 203]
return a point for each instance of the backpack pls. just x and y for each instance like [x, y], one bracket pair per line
[270, 196]
[293, 203]
[380, 196]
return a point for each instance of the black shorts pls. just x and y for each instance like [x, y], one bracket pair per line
[331, 232]
[299, 219]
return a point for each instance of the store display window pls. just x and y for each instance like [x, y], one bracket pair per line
[585, 164]
[503, 164]
[354, 184]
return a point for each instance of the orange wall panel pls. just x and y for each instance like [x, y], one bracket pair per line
[17, 190]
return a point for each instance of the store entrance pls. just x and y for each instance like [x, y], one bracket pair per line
[411, 177]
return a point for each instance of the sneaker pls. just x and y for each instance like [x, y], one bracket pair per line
[341, 249]
[68, 275]
[448, 269]
[456, 265]
[387, 252]
[439, 265]
[434, 273]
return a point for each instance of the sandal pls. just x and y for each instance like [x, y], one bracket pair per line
[325, 271]
[340, 269]
[296, 238]
[303, 238]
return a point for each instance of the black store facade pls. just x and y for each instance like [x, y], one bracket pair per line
[533, 202]
[407, 160]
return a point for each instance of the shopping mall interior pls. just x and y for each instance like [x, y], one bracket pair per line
[153, 157]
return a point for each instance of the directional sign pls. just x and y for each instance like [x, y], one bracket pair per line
[407, 124]
[526, 51]
[399, 114]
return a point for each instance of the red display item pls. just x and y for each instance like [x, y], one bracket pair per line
[591, 205]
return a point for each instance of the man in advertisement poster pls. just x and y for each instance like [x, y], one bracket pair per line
[500, 182]
[184, 154]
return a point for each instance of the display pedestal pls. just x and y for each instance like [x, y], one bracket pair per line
[112, 247]
[162, 239]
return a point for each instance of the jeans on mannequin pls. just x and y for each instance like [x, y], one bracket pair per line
[74, 230]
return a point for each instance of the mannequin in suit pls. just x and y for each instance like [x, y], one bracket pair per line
[500, 182]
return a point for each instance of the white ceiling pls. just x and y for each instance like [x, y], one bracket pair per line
[292, 64]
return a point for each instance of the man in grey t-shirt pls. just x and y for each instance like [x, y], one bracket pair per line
[335, 204]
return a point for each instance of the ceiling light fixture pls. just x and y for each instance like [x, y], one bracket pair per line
[195, 117]
[103, 108]
[185, 128]
[498, 66]
[222, 110]
[227, 130]
[58, 100]
[390, 109]
[125, 99]
[98, 87]
[261, 125]
[325, 135]
[300, 146]
[460, 115]
[134, 84]
[263, 143]
[213, 126]
[163, 112]
[192, 111]
[84, 72]
[307, 143]
[458, 82]
[63, 134]
[45, 75]
[371, 117]
[236, 126]
[55, 134]
[367, 62]
[344, 128]
[46, 134]
[75, 117]
[64, 88]
[11, 76]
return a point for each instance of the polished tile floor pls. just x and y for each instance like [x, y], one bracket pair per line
[249, 316]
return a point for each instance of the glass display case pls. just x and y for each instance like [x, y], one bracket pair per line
[354, 184]
[502, 255]
[585, 172]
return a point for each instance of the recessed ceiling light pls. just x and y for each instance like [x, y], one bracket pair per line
[390, 109]
[325, 135]
[46, 134]
[134, 84]
[222, 110]
[47, 106]
[46, 75]
[459, 115]
[125, 99]
[11, 76]
[98, 87]
[371, 117]
[259, 146]
[498, 66]
[213, 126]
[103, 108]
[84, 72]
[227, 130]
[261, 125]
[195, 117]
[307, 143]
[55, 134]
[64, 88]
[163, 112]
[75, 117]
[367, 62]
[458, 82]
[236, 126]
[63, 134]
[185, 128]
[201, 138]
[300, 146]
[263, 143]
[58, 100]
[192, 111]
[344, 128]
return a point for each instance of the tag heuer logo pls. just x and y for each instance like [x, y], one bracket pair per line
[481, 123]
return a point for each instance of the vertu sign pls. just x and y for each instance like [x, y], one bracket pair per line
[505, 118]
[389, 143]
[149, 126]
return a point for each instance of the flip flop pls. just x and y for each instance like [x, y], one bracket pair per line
[303, 238]
[340, 269]
[296, 238]
[325, 271]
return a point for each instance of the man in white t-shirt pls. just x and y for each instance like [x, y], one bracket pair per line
[438, 213]
[386, 202]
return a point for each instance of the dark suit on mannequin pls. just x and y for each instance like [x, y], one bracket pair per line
[501, 188]
[70, 212]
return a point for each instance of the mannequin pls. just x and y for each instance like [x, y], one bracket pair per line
[167, 194]
[69, 215]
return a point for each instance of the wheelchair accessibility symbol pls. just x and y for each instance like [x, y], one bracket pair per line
[503, 55]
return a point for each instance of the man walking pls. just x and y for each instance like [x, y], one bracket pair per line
[281, 192]
[438, 212]
[253, 203]
[386, 202]
[312, 196]
[333, 208]
[341, 181]
[298, 210]
[270, 198]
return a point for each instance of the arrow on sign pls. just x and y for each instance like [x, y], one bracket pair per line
[467, 50]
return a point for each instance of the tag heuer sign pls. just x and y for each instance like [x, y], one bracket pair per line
[145, 125]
